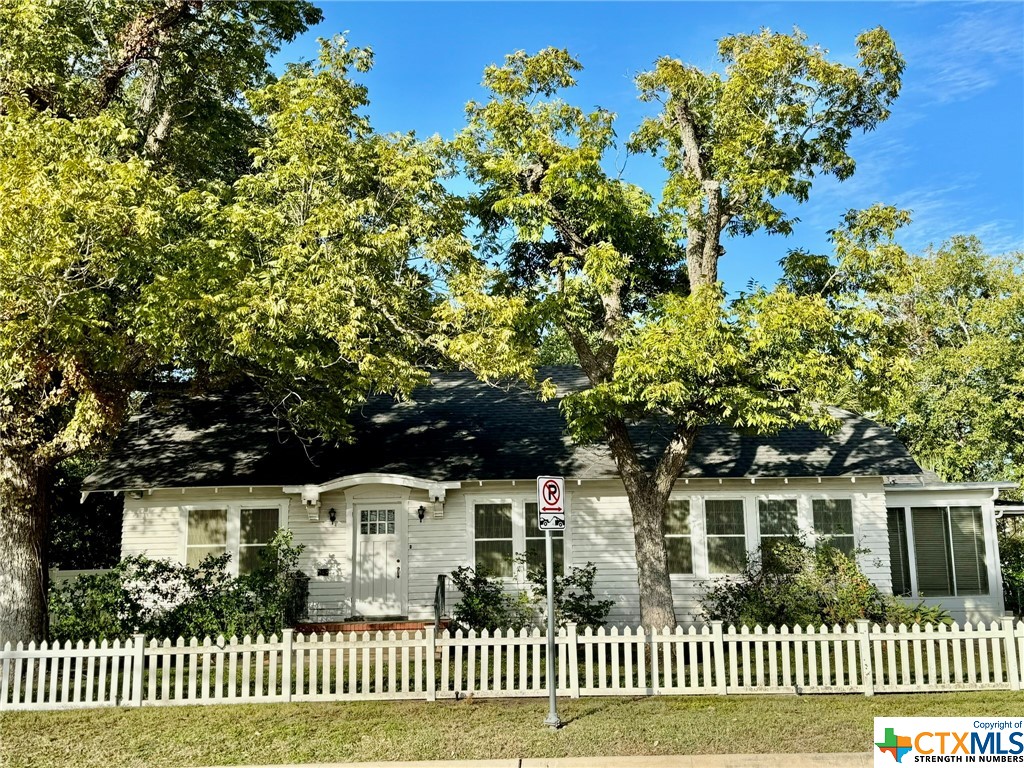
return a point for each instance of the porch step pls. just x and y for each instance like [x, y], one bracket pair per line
[381, 625]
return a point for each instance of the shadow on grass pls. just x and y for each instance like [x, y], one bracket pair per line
[601, 707]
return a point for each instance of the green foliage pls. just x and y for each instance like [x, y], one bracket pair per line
[595, 274]
[573, 596]
[961, 408]
[170, 212]
[1011, 562]
[486, 605]
[82, 535]
[162, 599]
[572, 258]
[946, 372]
[781, 114]
[792, 584]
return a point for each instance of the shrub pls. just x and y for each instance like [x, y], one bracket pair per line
[486, 605]
[573, 594]
[794, 584]
[164, 599]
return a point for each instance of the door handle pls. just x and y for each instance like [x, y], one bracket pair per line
[398, 572]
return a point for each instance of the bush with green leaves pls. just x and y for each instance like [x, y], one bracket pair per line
[792, 584]
[574, 597]
[486, 605]
[163, 599]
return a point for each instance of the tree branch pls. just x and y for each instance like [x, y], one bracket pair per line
[140, 42]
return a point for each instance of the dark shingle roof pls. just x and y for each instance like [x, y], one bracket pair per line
[456, 429]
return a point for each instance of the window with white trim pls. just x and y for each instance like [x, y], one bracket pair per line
[899, 551]
[207, 535]
[242, 530]
[505, 533]
[493, 538]
[726, 535]
[257, 526]
[678, 537]
[833, 520]
[949, 548]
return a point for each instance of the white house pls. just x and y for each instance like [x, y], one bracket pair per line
[448, 479]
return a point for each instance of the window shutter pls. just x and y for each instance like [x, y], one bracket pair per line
[931, 548]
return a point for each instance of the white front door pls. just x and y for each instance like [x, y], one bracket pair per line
[379, 564]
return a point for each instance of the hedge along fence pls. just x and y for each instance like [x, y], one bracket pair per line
[424, 665]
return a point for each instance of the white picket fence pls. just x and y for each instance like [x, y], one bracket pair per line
[424, 665]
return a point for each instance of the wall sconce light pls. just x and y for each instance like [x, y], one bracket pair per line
[421, 512]
[332, 516]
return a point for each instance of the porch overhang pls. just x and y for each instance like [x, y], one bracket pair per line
[436, 490]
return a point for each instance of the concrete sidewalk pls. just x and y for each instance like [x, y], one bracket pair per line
[811, 760]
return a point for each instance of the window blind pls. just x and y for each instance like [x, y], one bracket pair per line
[932, 551]
[899, 552]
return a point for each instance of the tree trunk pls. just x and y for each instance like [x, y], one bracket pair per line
[657, 610]
[23, 511]
[648, 494]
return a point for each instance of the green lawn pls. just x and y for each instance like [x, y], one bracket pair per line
[278, 733]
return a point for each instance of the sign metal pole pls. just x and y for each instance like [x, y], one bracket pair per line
[551, 516]
[552, 718]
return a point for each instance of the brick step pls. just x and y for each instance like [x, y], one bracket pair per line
[382, 625]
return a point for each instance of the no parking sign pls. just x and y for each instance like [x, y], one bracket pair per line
[551, 503]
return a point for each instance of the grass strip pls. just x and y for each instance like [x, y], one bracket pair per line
[473, 729]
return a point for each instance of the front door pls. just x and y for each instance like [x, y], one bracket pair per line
[378, 560]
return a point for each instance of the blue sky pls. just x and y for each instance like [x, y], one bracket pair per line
[952, 152]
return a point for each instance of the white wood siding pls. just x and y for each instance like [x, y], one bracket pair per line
[437, 545]
[326, 547]
[601, 527]
[599, 530]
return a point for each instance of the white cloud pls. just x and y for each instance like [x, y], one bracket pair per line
[970, 53]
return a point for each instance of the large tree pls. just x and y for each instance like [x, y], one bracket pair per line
[170, 213]
[954, 317]
[116, 121]
[569, 250]
[960, 409]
